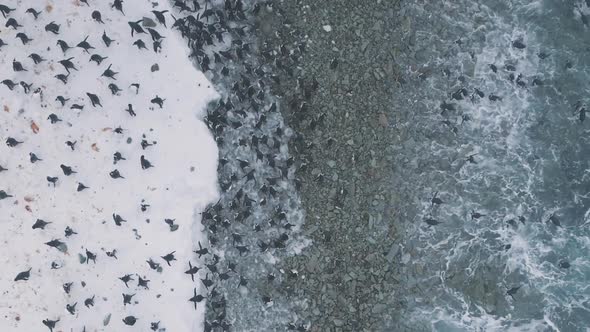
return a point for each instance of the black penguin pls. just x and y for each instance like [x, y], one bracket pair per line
[25, 275]
[130, 110]
[23, 38]
[63, 45]
[52, 27]
[135, 27]
[140, 44]
[9, 84]
[68, 64]
[85, 45]
[512, 291]
[126, 278]
[145, 164]
[17, 66]
[160, 16]
[196, 298]
[89, 302]
[169, 258]
[67, 170]
[5, 10]
[11, 142]
[154, 34]
[52, 180]
[11, 22]
[115, 174]
[109, 73]
[202, 251]
[94, 99]
[63, 78]
[37, 59]
[53, 118]
[50, 324]
[114, 88]
[40, 224]
[33, 12]
[117, 157]
[67, 287]
[81, 187]
[192, 271]
[127, 298]
[157, 100]
[142, 282]
[71, 308]
[97, 16]
[129, 320]
[33, 158]
[107, 41]
[97, 58]
[118, 5]
[118, 219]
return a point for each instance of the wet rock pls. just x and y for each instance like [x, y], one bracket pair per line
[378, 309]
[148, 22]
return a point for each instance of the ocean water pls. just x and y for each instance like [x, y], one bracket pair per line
[512, 172]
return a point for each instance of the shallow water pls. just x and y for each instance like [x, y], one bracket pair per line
[529, 163]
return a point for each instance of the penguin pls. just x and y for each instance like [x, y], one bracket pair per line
[130, 320]
[196, 298]
[135, 27]
[33, 12]
[23, 38]
[25, 275]
[107, 41]
[52, 27]
[12, 142]
[157, 100]
[85, 45]
[114, 89]
[97, 16]
[63, 45]
[40, 224]
[109, 73]
[127, 299]
[140, 44]
[94, 99]
[160, 16]
[33, 158]
[89, 302]
[118, 219]
[169, 258]
[145, 164]
[17, 66]
[68, 64]
[126, 278]
[118, 5]
[192, 271]
[202, 251]
[50, 323]
[97, 58]
[67, 170]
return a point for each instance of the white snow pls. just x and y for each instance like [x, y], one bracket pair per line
[181, 183]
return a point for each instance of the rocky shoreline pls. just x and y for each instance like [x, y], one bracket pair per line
[352, 271]
[328, 77]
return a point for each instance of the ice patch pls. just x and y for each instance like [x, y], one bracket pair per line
[180, 184]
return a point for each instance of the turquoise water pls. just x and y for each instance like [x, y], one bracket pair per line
[528, 174]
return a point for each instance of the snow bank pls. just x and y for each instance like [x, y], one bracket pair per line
[181, 183]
